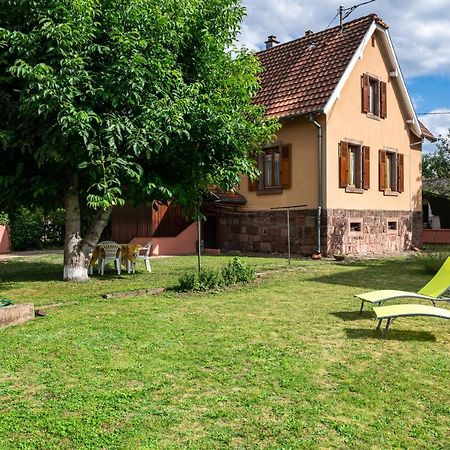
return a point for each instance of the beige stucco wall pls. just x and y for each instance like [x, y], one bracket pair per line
[302, 135]
[346, 121]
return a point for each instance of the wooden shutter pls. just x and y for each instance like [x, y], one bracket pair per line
[366, 167]
[401, 171]
[365, 93]
[383, 100]
[252, 184]
[382, 170]
[285, 167]
[343, 164]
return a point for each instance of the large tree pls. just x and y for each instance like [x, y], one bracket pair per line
[103, 101]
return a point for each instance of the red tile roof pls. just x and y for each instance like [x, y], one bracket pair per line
[299, 77]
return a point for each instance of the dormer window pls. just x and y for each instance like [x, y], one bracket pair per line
[374, 98]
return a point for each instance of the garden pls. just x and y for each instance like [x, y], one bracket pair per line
[284, 361]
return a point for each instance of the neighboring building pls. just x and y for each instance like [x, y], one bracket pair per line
[349, 148]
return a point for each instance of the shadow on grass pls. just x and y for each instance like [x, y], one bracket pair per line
[367, 275]
[35, 270]
[353, 315]
[393, 335]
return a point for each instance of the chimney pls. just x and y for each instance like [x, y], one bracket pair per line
[271, 41]
[309, 32]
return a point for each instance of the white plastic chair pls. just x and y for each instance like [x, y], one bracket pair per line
[111, 252]
[143, 253]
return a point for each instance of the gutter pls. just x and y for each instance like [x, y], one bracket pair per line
[320, 170]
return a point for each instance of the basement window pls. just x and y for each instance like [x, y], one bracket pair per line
[392, 226]
[355, 227]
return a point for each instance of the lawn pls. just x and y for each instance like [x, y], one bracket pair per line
[286, 362]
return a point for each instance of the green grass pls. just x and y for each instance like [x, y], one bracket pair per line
[284, 363]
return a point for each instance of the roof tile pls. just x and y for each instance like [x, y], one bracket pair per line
[299, 76]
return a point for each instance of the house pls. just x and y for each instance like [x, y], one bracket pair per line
[349, 148]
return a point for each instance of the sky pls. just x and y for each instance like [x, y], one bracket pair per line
[419, 29]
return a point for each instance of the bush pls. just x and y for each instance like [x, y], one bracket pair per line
[33, 229]
[208, 279]
[54, 227]
[27, 230]
[4, 218]
[432, 262]
[235, 272]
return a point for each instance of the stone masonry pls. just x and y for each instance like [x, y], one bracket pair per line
[266, 232]
[351, 232]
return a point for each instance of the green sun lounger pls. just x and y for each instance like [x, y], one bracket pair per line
[392, 312]
[432, 291]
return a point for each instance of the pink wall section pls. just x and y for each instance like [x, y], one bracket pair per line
[183, 244]
[4, 239]
[436, 236]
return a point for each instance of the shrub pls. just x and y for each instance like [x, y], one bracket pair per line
[54, 227]
[27, 229]
[4, 218]
[33, 229]
[235, 272]
[208, 279]
[432, 262]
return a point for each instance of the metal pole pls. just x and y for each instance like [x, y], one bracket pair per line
[199, 248]
[288, 236]
[341, 16]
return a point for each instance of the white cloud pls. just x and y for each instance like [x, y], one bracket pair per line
[419, 29]
[438, 124]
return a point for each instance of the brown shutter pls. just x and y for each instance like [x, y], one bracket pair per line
[343, 164]
[382, 170]
[252, 184]
[400, 169]
[366, 167]
[286, 166]
[365, 93]
[383, 100]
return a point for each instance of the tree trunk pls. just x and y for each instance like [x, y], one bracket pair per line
[78, 251]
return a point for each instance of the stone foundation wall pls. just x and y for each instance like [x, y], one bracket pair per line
[379, 232]
[266, 232]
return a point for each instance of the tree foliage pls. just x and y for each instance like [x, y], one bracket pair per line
[437, 164]
[103, 101]
[436, 168]
[140, 99]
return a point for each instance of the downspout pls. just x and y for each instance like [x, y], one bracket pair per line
[320, 195]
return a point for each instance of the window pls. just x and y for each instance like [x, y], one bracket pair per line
[391, 171]
[354, 167]
[355, 227]
[274, 165]
[374, 96]
[271, 169]
[392, 226]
